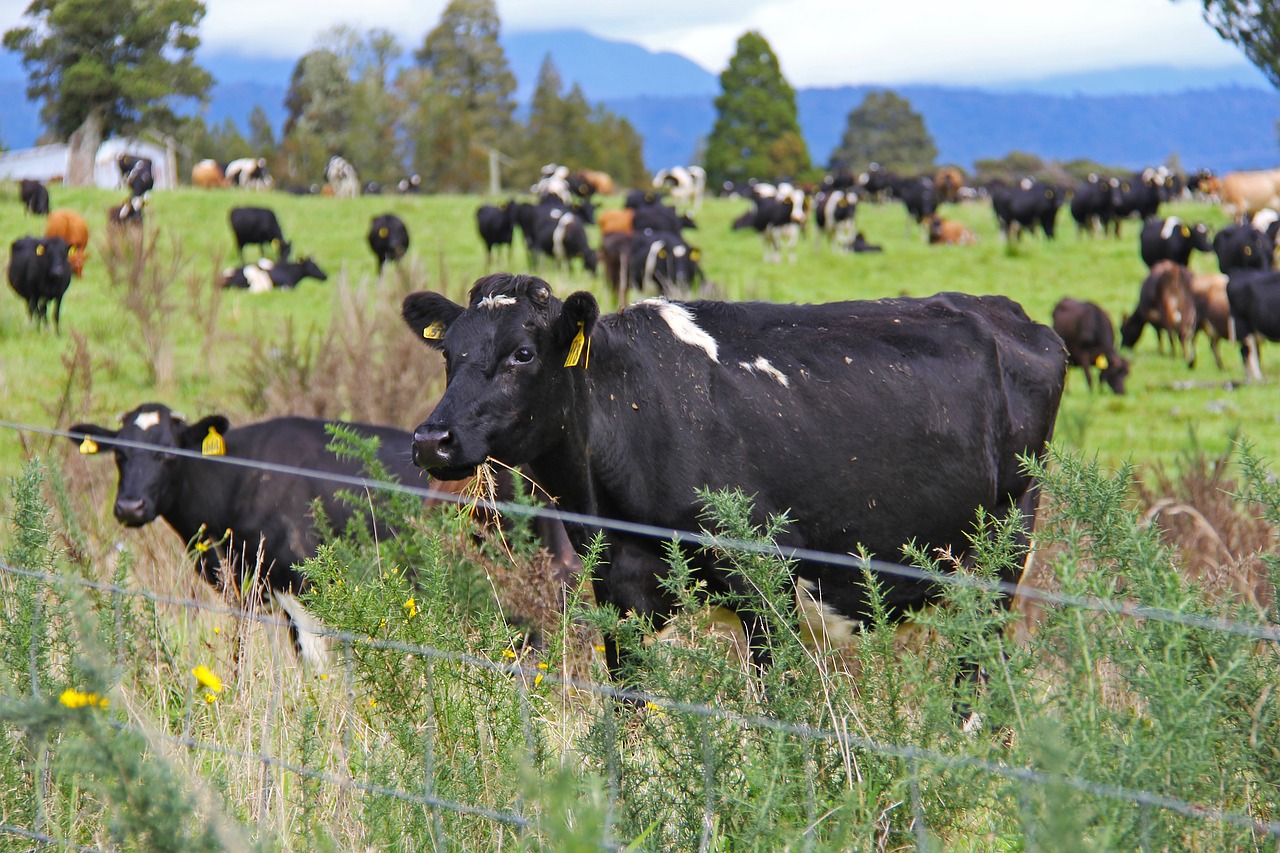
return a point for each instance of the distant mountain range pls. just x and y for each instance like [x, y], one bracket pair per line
[1221, 118]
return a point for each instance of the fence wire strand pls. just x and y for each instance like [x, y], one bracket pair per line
[913, 755]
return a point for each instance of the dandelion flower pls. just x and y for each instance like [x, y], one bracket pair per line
[508, 654]
[207, 678]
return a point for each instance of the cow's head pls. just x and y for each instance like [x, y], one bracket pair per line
[309, 267]
[1113, 371]
[510, 359]
[58, 253]
[147, 481]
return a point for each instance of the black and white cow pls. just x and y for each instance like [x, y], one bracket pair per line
[663, 261]
[773, 220]
[1171, 239]
[267, 275]
[686, 185]
[1254, 297]
[659, 217]
[258, 226]
[1137, 196]
[34, 196]
[409, 184]
[560, 234]
[388, 239]
[248, 173]
[40, 273]
[140, 178]
[835, 212]
[829, 413]
[1090, 339]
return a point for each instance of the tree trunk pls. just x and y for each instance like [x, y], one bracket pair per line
[84, 145]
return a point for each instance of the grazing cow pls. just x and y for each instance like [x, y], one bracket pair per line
[1171, 239]
[1213, 310]
[588, 182]
[266, 275]
[40, 274]
[388, 238]
[727, 395]
[949, 232]
[686, 184]
[497, 225]
[1091, 342]
[1243, 247]
[34, 196]
[664, 261]
[876, 182]
[70, 227]
[1166, 302]
[918, 196]
[1203, 185]
[1093, 205]
[1137, 196]
[560, 234]
[615, 255]
[1243, 194]
[207, 174]
[554, 181]
[141, 180]
[835, 212]
[248, 173]
[860, 244]
[409, 184]
[638, 198]
[127, 213]
[772, 220]
[1254, 298]
[342, 178]
[1025, 206]
[258, 226]
[659, 217]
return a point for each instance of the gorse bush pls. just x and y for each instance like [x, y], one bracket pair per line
[445, 722]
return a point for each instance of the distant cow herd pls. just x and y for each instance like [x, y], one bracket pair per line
[754, 397]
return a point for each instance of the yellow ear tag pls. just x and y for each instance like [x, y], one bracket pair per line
[694, 255]
[1101, 362]
[1186, 232]
[382, 232]
[213, 444]
[575, 350]
[40, 250]
[434, 332]
[662, 253]
[88, 447]
[1248, 250]
[71, 252]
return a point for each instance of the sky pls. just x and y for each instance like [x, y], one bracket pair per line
[818, 42]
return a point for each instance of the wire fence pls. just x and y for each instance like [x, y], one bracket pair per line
[913, 756]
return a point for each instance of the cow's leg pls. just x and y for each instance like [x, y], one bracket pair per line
[1249, 351]
[631, 583]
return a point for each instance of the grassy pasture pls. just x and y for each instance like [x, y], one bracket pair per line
[1138, 705]
[1167, 407]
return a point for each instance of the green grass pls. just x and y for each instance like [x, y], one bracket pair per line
[1166, 408]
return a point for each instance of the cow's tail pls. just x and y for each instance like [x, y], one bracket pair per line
[305, 630]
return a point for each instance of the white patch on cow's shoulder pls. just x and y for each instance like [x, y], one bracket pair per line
[685, 327]
[147, 420]
[311, 646]
[496, 300]
[762, 365]
[258, 278]
[1169, 225]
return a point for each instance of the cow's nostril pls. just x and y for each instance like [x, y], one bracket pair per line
[432, 446]
[130, 508]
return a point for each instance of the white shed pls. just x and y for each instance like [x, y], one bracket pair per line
[49, 162]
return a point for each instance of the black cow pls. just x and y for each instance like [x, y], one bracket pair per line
[660, 217]
[258, 226]
[664, 261]
[1025, 206]
[1254, 297]
[410, 184]
[1137, 196]
[1091, 341]
[35, 197]
[560, 234]
[860, 244]
[1243, 247]
[772, 219]
[388, 238]
[1171, 239]
[1093, 205]
[829, 413]
[876, 182]
[265, 275]
[918, 195]
[497, 225]
[40, 273]
[226, 512]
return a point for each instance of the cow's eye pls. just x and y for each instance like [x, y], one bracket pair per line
[524, 355]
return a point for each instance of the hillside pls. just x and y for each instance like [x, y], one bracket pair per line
[1220, 118]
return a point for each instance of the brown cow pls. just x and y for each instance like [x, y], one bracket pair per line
[1209, 291]
[1243, 194]
[69, 225]
[616, 221]
[948, 232]
[208, 174]
[1166, 302]
[947, 183]
[1091, 342]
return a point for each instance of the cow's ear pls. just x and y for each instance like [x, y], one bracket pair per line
[198, 433]
[577, 318]
[87, 445]
[429, 315]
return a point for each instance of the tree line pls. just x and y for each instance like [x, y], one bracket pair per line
[100, 68]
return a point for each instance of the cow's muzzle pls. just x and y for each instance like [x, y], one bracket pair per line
[132, 511]
[436, 450]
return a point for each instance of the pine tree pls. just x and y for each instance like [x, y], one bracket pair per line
[885, 129]
[756, 132]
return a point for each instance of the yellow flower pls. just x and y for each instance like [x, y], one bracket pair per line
[73, 698]
[373, 703]
[412, 606]
[207, 678]
[542, 665]
[203, 545]
[211, 698]
[656, 709]
[600, 649]
[508, 654]
[537, 681]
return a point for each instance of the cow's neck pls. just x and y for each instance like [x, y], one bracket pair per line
[190, 509]
[564, 470]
